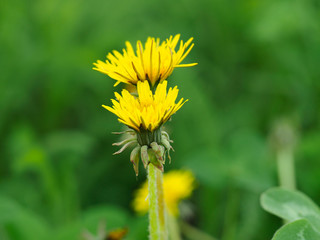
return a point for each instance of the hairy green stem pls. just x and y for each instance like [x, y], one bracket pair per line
[157, 216]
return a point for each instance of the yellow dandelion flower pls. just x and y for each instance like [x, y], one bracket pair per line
[153, 62]
[148, 111]
[177, 185]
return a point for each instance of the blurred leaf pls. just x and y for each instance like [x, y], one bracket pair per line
[75, 142]
[291, 206]
[309, 146]
[297, 230]
[113, 216]
[138, 228]
[242, 157]
[19, 223]
[25, 151]
[207, 167]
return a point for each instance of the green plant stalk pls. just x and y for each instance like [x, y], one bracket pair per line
[157, 216]
[193, 233]
[173, 226]
[286, 171]
[231, 213]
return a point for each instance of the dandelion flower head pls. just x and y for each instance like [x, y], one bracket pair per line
[177, 185]
[154, 61]
[148, 111]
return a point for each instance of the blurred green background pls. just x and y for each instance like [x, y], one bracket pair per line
[258, 62]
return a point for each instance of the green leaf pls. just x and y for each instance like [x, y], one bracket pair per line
[113, 217]
[291, 206]
[297, 230]
[19, 223]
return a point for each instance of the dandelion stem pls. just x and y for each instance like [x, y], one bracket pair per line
[284, 141]
[157, 217]
[284, 137]
[286, 173]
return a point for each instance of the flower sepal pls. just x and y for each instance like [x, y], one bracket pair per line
[150, 146]
[145, 156]
[151, 156]
[154, 159]
[134, 158]
[158, 151]
[126, 142]
[165, 141]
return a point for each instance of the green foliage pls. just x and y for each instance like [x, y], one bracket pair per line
[19, 223]
[297, 230]
[295, 207]
[258, 61]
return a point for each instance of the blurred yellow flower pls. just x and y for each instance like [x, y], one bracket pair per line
[153, 62]
[177, 185]
[148, 111]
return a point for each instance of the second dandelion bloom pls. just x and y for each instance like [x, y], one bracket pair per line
[145, 114]
[148, 111]
[177, 185]
[153, 62]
